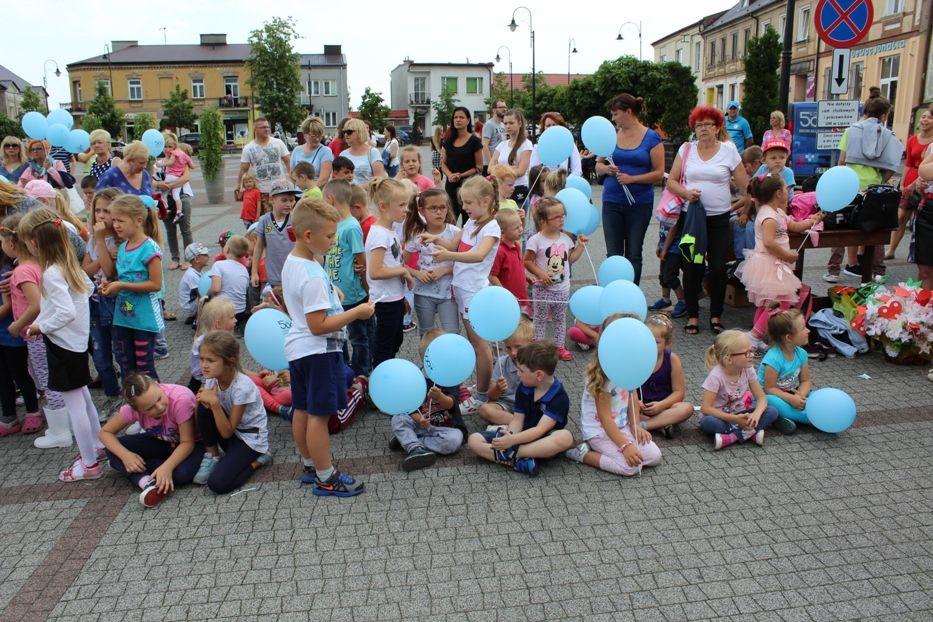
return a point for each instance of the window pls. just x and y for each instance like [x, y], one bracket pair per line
[696, 57]
[106, 84]
[197, 88]
[231, 86]
[764, 27]
[722, 50]
[719, 96]
[420, 90]
[890, 68]
[76, 89]
[893, 7]
[803, 24]
[135, 87]
[474, 86]
[663, 58]
[735, 45]
[745, 37]
[315, 88]
[856, 77]
[712, 53]
[732, 94]
[449, 85]
[330, 118]
[679, 56]
[330, 87]
[781, 31]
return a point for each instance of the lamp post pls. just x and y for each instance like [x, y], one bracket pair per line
[45, 70]
[511, 87]
[534, 76]
[571, 49]
[619, 36]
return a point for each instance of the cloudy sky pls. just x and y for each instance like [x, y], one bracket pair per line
[376, 36]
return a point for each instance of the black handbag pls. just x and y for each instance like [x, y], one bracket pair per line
[877, 209]
[68, 180]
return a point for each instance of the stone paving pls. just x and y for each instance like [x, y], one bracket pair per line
[811, 527]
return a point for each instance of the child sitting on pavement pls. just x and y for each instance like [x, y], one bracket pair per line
[498, 411]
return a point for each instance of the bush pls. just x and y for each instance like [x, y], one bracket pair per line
[10, 127]
[212, 141]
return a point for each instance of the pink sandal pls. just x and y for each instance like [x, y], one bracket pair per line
[6, 429]
[32, 424]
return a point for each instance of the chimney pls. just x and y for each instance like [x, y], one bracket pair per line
[214, 39]
[332, 50]
[116, 46]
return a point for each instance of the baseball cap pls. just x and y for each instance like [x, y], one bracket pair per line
[223, 237]
[194, 249]
[40, 189]
[284, 187]
[775, 143]
[733, 104]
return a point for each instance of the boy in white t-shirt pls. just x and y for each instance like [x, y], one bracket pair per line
[314, 344]
[198, 256]
[230, 278]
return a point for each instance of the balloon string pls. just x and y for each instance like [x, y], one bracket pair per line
[633, 421]
[805, 238]
[590, 259]
[498, 354]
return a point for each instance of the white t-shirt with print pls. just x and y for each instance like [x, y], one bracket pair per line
[440, 288]
[475, 276]
[253, 427]
[307, 289]
[553, 256]
[189, 281]
[590, 425]
[384, 290]
[266, 161]
[234, 281]
[711, 177]
[501, 156]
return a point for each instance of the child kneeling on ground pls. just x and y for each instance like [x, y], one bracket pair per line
[164, 454]
[536, 431]
[435, 428]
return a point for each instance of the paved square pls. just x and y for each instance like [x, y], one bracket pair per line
[811, 527]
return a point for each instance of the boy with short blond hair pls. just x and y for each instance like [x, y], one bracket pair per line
[498, 411]
[304, 176]
[359, 207]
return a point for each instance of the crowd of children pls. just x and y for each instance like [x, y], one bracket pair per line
[348, 264]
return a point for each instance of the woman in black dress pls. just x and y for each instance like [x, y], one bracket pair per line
[461, 156]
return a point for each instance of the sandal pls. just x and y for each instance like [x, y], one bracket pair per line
[168, 316]
[716, 327]
[173, 266]
[692, 329]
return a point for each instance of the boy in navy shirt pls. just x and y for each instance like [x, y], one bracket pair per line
[536, 431]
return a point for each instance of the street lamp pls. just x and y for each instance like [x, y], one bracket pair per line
[45, 81]
[619, 36]
[534, 76]
[571, 49]
[511, 86]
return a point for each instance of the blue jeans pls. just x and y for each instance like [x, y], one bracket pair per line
[742, 237]
[154, 452]
[714, 425]
[102, 343]
[361, 336]
[624, 228]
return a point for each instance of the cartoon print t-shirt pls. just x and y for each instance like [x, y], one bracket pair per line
[266, 161]
[139, 311]
[732, 396]
[553, 256]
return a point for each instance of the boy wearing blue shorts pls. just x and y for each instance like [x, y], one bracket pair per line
[314, 345]
[536, 431]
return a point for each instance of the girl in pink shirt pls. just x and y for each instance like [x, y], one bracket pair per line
[411, 169]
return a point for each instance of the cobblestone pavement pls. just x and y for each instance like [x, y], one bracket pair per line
[812, 527]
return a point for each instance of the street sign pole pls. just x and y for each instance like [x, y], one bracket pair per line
[839, 77]
[786, 54]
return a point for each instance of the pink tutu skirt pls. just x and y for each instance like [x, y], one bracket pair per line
[767, 279]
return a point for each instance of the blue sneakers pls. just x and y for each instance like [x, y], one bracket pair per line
[504, 456]
[528, 466]
[308, 475]
[208, 462]
[680, 309]
[337, 485]
[660, 305]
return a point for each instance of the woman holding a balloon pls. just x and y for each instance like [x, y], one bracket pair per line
[99, 154]
[41, 166]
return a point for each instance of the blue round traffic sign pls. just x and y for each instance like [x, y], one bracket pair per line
[843, 23]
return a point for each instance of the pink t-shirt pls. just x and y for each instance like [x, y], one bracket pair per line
[182, 161]
[181, 405]
[423, 183]
[28, 272]
[553, 256]
[731, 396]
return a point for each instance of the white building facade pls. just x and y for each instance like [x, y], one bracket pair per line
[416, 86]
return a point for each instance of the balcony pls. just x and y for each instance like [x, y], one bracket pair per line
[419, 100]
[232, 102]
[73, 107]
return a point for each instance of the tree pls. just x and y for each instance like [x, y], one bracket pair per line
[141, 122]
[210, 151]
[500, 90]
[373, 109]
[178, 110]
[10, 127]
[444, 108]
[31, 101]
[275, 76]
[90, 122]
[105, 109]
[762, 65]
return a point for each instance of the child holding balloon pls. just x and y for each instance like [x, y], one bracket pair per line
[216, 314]
[314, 344]
[548, 256]
[473, 251]
[735, 408]
[784, 371]
[501, 405]
[613, 440]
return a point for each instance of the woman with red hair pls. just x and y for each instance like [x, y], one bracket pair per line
[573, 164]
[707, 165]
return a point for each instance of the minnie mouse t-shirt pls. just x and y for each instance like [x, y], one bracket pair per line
[553, 256]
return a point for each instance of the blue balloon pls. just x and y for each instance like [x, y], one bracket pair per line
[154, 142]
[623, 297]
[615, 268]
[58, 135]
[575, 181]
[584, 304]
[78, 141]
[599, 136]
[555, 145]
[578, 210]
[397, 387]
[593, 223]
[836, 188]
[830, 410]
[204, 284]
[494, 313]
[61, 116]
[265, 338]
[35, 125]
[449, 360]
[627, 352]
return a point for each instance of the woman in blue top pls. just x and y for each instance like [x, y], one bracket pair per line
[129, 176]
[628, 192]
[313, 151]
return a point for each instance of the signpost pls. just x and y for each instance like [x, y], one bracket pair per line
[837, 112]
[839, 77]
[843, 23]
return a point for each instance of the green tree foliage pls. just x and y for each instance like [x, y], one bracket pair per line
[90, 122]
[10, 127]
[762, 75]
[210, 151]
[105, 109]
[373, 109]
[275, 76]
[178, 110]
[31, 101]
[443, 107]
[500, 90]
[141, 122]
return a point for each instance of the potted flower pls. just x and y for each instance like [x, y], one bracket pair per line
[900, 320]
[210, 154]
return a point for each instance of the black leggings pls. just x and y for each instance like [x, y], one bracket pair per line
[235, 468]
[453, 190]
[15, 374]
[718, 244]
[389, 330]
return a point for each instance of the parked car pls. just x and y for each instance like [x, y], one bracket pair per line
[191, 138]
[404, 134]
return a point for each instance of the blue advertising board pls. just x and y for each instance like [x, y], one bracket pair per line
[806, 158]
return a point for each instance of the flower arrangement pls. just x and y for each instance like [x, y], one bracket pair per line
[900, 318]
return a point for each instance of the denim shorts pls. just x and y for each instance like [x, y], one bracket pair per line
[319, 383]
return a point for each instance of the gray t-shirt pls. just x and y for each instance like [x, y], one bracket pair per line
[266, 162]
[278, 245]
[362, 164]
[494, 132]
[253, 428]
[505, 367]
